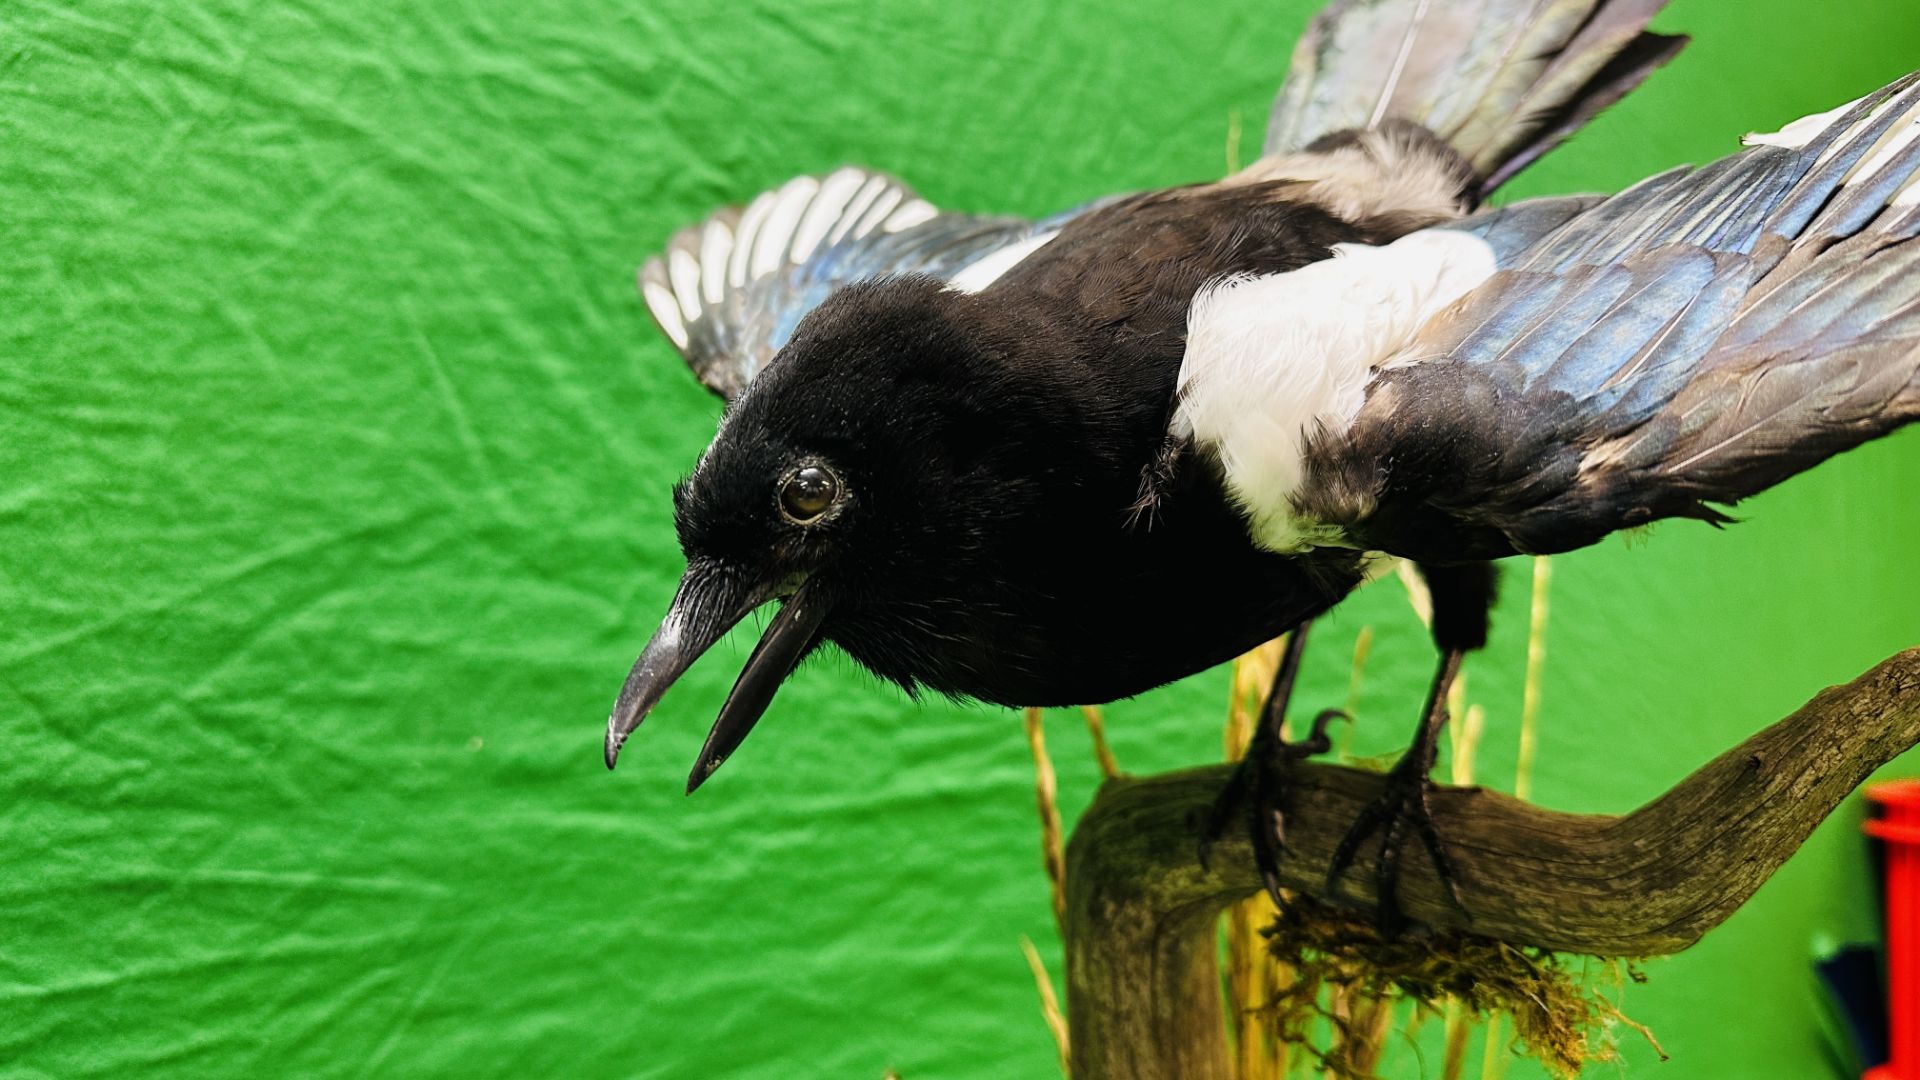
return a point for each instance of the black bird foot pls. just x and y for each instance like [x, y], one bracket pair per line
[1258, 789]
[1403, 806]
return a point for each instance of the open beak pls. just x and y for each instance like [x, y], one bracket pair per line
[707, 605]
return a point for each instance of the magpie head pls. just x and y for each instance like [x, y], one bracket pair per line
[868, 480]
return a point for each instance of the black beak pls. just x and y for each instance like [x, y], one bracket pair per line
[788, 638]
[707, 605]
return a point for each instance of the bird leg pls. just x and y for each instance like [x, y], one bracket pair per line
[1402, 807]
[1257, 788]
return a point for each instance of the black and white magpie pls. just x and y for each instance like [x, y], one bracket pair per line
[1064, 461]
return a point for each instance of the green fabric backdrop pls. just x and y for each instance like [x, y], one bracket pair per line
[334, 448]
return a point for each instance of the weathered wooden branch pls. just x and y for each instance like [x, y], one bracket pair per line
[1144, 998]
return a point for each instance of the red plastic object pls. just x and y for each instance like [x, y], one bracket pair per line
[1899, 825]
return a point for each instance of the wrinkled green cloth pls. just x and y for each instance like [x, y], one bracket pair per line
[334, 451]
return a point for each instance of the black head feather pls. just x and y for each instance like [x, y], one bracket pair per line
[981, 549]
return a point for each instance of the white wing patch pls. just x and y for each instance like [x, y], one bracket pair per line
[1801, 131]
[990, 267]
[1897, 138]
[1271, 359]
[778, 228]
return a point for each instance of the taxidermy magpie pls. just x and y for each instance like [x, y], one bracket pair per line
[1063, 461]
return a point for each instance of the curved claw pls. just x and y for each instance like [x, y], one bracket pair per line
[1317, 740]
[1257, 788]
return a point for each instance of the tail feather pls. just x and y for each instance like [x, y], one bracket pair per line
[1606, 60]
[1501, 81]
[1532, 65]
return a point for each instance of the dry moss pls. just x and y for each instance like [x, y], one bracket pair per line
[1342, 973]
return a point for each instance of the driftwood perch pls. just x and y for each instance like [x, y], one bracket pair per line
[1144, 995]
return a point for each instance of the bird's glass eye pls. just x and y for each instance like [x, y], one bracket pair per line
[808, 493]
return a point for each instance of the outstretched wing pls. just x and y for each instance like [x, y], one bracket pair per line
[729, 291]
[1691, 341]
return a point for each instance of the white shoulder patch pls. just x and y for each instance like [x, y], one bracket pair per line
[1270, 359]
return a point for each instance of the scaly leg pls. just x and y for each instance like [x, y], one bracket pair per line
[1404, 806]
[1257, 787]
